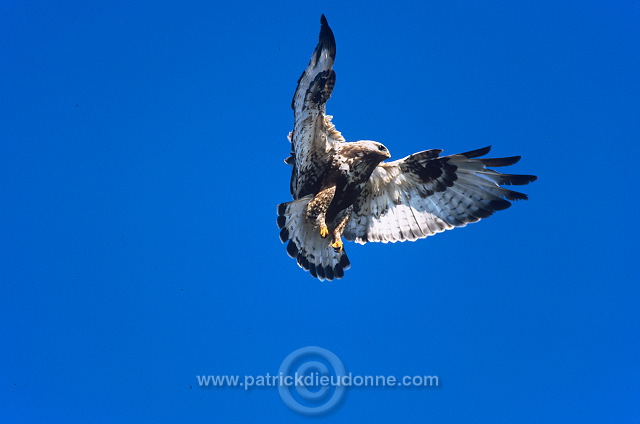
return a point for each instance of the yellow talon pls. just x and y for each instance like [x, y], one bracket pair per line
[337, 246]
[324, 231]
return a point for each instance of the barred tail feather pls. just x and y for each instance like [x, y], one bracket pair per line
[312, 252]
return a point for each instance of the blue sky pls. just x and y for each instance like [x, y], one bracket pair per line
[141, 162]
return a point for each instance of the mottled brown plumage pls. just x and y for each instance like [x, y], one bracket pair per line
[346, 189]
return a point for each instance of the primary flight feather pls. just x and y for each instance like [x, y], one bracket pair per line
[345, 189]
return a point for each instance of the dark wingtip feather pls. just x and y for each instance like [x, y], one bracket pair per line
[326, 40]
[292, 249]
[500, 204]
[480, 213]
[515, 195]
[282, 208]
[282, 220]
[302, 261]
[284, 235]
[512, 179]
[477, 152]
[501, 161]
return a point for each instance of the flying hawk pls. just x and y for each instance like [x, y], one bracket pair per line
[345, 189]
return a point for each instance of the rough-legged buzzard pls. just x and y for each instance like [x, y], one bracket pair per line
[346, 189]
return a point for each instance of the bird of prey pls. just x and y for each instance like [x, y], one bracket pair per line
[346, 189]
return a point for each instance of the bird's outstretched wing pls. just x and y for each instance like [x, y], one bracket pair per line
[313, 136]
[424, 194]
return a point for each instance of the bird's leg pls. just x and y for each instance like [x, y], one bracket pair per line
[337, 234]
[317, 209]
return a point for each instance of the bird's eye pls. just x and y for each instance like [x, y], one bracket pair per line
[382, 148]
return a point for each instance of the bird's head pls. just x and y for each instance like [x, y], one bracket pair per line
[374, 149]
